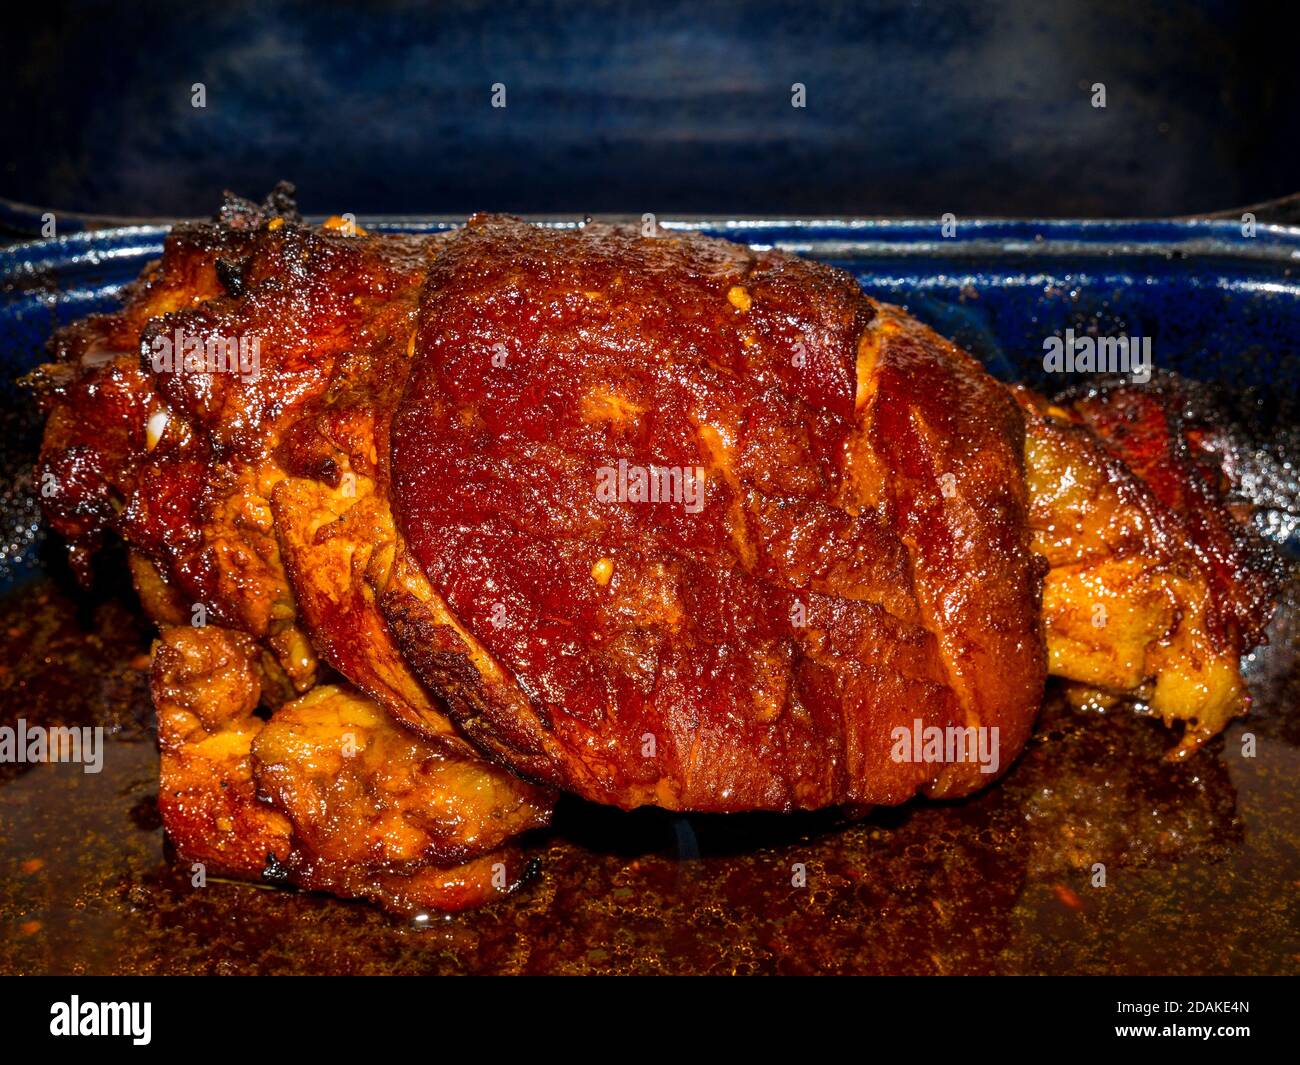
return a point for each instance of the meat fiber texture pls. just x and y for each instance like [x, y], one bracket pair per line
[650, 519]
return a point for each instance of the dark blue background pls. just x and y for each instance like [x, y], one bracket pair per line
[671, 107]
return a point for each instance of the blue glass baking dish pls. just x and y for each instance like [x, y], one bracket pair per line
[1219, 300]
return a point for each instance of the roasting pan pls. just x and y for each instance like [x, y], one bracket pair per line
[1200, 860]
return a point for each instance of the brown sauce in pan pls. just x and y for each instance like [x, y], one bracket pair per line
[1202, 859]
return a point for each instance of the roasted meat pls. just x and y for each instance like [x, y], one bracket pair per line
[650, 519]
[1154, 587]
[754, 651]
[330, 793]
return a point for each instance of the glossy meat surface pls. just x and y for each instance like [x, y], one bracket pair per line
[1154, 587]
[330, 793]
[655, 520]
[192, 468]
[856, 558]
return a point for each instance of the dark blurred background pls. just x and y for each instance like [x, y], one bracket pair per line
[672, 107]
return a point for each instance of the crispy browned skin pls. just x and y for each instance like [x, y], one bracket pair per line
[1154, 586]
[409, 494]
[756, 654]
[192, 469]
[330, 793]
[206, 685]
[1146, 428]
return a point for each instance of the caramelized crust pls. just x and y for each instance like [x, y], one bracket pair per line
[858, 558]
[1154, 587]
[653, 520]
[330, 794]
[184, 463]
[206, 685]
[1146, 428]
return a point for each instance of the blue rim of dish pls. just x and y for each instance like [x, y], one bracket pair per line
[823, 237]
